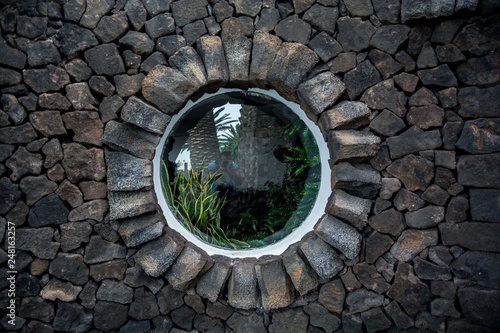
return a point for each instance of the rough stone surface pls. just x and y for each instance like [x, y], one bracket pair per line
[412, 242]
[472, 235]
[339, 235]
[157, 256]
[321, 92]
[351, 145]
[323, 259]
[131, 140]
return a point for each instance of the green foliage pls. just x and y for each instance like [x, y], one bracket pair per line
[230, 139]
[197, 207]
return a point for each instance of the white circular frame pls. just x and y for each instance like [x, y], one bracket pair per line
[280, 246]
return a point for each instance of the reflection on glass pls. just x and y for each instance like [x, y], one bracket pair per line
[240, 170]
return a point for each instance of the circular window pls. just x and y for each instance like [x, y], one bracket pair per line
[239, 173]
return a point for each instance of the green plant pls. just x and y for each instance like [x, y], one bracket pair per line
[197, 206]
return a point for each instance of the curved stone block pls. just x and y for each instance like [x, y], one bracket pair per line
[238, 50]
[141, 229]
[130, 139]
[275, 286]
[265, 48]
[167, 88]
[187, 267]
[145, 116]
[212, 53]
[129, 204]
[320, 92]
[323, 259]
[345, 115]
[128, 173]
[340, 235]
[243, 292]
[303, 277]
[190, 64]
[351, 145]
[212, 282]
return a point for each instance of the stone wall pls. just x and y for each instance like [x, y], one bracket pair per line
[405, 92]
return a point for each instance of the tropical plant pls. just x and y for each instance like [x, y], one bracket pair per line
[197, 206]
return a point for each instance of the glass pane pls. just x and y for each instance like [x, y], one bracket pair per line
[240, 170]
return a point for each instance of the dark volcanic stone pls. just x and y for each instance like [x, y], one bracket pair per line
[9, 194]
[400, 318]
[481, 267]
[75, 39]
[72, 317]
[388, 222]
[54, 101]
[36, 188]
[384, 95]
[480, 71]
[183, 317]
[144, 305]
[47, 211]
[322, 18]
[105, 59]
[435, 195]
[31, 27]
[385, 64]
[80, 162]
[332, 296]
[268, 19]
[323, 259]
[36, 308]
[188, 266]
[139, 42]
[325, 46]
[111, 27]
[160, 25]
[376, 245]
[321, 92]
[265, 48]
[339, 235]
[387, 124]
[101, 85]
[38, 241]
[78, 69]
[169, 299]
[193, 31]
[480, 306]
[354, 34]
[48, 123]
[130, 139]
[477, 102]
[363, 299]
[59, 290]
[303, 277]
[387, 10]
[471, 235]
[242, 287]
[127, 85]
[205, 323]
[239, 26]
[360, 78]
[24, 163]
[484, 205]
[109, 108]
[412, 242]
[48, 79]
[370, 278]
[275, 287]
[449, 53]
[94, 11]
[358, 180]
[69, 267]
[189, 63]
[93, 210]
[293, 29]
[80, 96]
[212, 282]
[157, 58]
[212, 53]
[429, 271]
[158, 255]
[376, 320]
[73, 234]
[109, 316]
[237, 50]
[425, 217]
[291, 320]
[12, 57]
[480, 37]
[479, 170]
[414, 171]
[17, 134]
[425, 116]
[42, 53]
[409, 291]
[98, 250]
[480, 136]
[187, 11]
[388, 38]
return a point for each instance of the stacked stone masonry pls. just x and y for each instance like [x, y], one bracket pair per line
[406, 94]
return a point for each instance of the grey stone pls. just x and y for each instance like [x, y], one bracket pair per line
[480, 306]
[157, 256]
[54, 101]
[56, 289]
[360, 78]
[127, 85]
[480, 37]
[275, 287]
[212, 53]
[75, 39]
[106, 231]
[213, 281]
[193, 31]
[105, 59]
[12, 57]
[80, 96]
[478, 102]
[13, 108]
[481, 267]
[400, 318]
[321, 92]
[248, 8]
[389, 187]
[73, 10]
[38, 241]
[339, 235]
[31, 27]
[101, 85]
[144, 305]
[384, 95]
[189, 63]
[427, 57]
[183, 317]
[109, 108]
[239, 26]
[136, 13]
[237, 50]
[95, 9]
[9, 194]
[294, 29]
[325, 46]
[484, 205]
[28, 285]
[187, 11]
[370, 278]
[80, 162]
[322, 18]
[130, 204]
[425, 116]
[471, 235]
[388, 222]
[242, 287]
[412, 242]
[435, 195]
[440, 255]
[425, 217]
[73, 234]
[48, 123]
[449, 54]
[480, 136]
[130, 140]
[93, 210]
[205, 323]
[387, 10]
[109, 270]
[109, 316]
[388, 38]
[42, 53]
[290, 320]
[17, 134]
[98, 250]
[87, 295]
[376, 245]
[350, 208]
[358, 180]
[426, 9]
[169, 100]
[29, 101]
[362, 8]
[265, 48]
[408, 82]
[363, 299]
[302, 276]
[344, 62]
[156, 58]
[426, 321]
[47, 211]
[323, 259]
[409, 291]
[429, 271]
[252, 322]
[445, 289]
[267, 21]
[187, 268]
[442, 307]
[155, 7]
[332, 296]
[139, 42]
[407, 168]
[139, 230]
[412, 141]
[136, 277]
[36, 308]
[9, 77]
[219, 310]
[385, 64]
[78, 70]
[86, 125]
[375, 320]
[69, 267]
[24, 163]
[222, 10]
[160, 25]
[293, 61]
[478, 170]
[72, 317]
[111, 27]
[169, 299]
[351, 145]
[354, 33]
[36, 188]
[440, 76]
[50, 78]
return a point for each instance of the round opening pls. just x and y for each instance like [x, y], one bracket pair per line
[240, 171]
